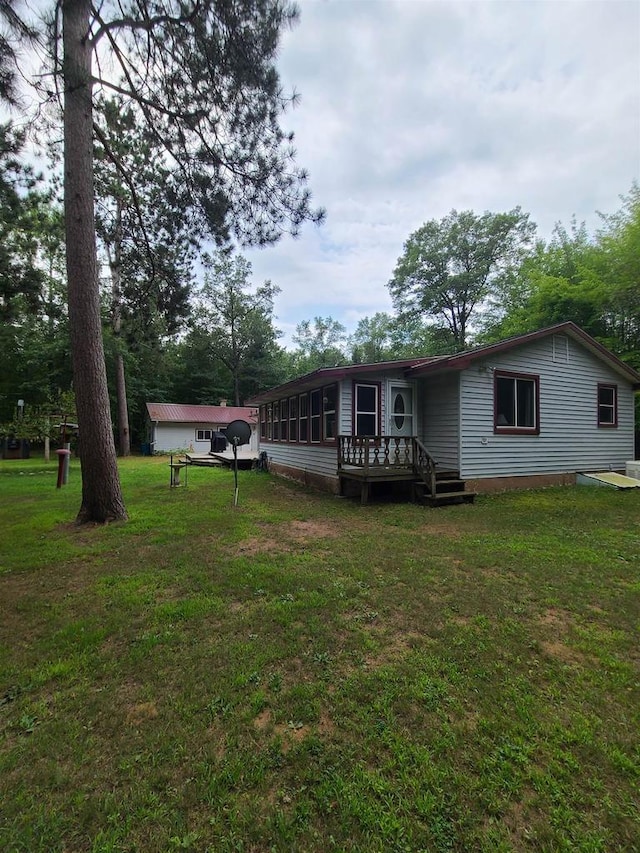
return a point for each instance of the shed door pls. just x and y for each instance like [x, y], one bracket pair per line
[400, 410]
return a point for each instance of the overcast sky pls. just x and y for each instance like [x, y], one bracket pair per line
[411, 108]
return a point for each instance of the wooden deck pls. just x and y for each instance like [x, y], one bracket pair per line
[398, 461]
[246, 458]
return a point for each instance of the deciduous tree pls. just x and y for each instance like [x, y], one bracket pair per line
[238, 322]
[448, 268]
[319, 343]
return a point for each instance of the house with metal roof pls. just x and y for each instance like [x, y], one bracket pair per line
[174, 427]
[531, 410]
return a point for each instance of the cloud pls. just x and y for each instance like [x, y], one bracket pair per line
[410, 109]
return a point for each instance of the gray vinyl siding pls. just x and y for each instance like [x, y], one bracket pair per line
[569, 440]
[346, 407]
[318, 459]
[439, 407]
[323, 459]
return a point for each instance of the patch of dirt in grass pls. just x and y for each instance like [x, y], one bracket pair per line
[142, 712]
[283, 538]
[293, 732]
[556, 624]
[393, 649]
[263, 720]
[262, 545]
[556, 619]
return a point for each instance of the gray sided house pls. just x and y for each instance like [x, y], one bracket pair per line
[531, 410]
[177, 427]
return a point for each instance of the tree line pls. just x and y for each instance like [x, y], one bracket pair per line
[173, 336]
[174, 143]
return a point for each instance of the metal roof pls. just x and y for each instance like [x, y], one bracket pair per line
[182, 413]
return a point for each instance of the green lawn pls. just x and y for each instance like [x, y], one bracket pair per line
[305, 674]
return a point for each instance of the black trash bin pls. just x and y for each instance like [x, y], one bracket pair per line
[218, 442]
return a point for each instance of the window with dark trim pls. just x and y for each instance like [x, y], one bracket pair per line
[315, 410]
[303, 418]
[203, 435]
[284, 419]
[329, 412]
[366, 409]
[607, 405]
[276, 421]
[293, 418]
[270, 422]
[516, 403]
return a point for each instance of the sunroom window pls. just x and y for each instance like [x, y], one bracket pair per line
[366, 409]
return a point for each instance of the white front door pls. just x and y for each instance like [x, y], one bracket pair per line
[400, 414]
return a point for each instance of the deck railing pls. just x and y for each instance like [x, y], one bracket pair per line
[379, 451]
[387, 451]
[425, 465]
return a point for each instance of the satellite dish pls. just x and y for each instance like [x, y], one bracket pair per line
[238, 432]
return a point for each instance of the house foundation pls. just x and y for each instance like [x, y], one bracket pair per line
[489, 485]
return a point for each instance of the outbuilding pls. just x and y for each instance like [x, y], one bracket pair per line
[176, 427]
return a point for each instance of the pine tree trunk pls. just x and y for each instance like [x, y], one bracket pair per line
[124, 439]
[115, 265]
[101, 492]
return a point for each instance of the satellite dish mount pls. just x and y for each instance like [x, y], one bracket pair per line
[238, 432]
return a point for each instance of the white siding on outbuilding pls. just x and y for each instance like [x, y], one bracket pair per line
[168, 437]
[569, 439]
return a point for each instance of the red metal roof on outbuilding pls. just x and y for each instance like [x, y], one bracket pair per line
[180, 413]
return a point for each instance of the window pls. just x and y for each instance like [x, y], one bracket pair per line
[270, 422]
[203, 435]
[329, 407]
[516, 400]
[366, 415]
[276, 421]
[263, 421]
[293, 418]
[607, 405]
[315, 405]
[284, 419]
[304, 417]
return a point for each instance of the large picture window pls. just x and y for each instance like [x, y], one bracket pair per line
[607, 405]
[366, 414]
[516, 403]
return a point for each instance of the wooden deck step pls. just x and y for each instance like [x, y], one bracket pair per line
[450, 498]
[450, 485]
[448, 491]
